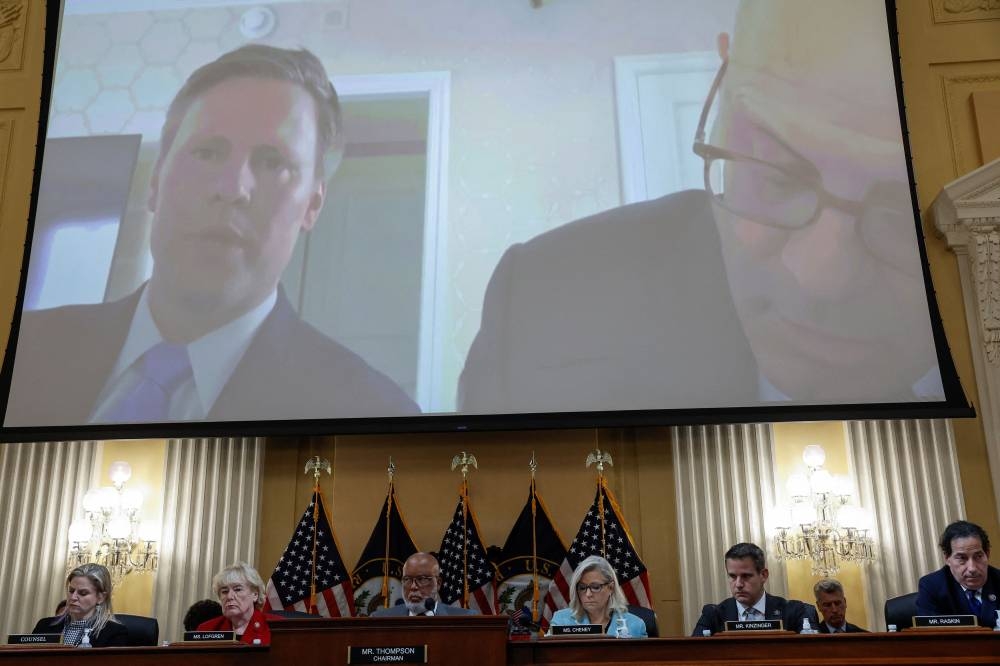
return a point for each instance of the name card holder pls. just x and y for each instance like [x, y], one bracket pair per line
[387, 654]
[578, 631]
[754, 625]
[944, 621]
[209, 636]
[35, 640]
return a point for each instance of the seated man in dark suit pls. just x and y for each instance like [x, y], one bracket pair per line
[832, 605]
[966, 584]
[421, 582]
[747, 570]
[211, 336]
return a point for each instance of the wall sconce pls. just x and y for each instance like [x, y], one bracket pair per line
[110, 533]
[820, 523]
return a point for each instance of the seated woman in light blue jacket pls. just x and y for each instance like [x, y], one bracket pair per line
[596, 598]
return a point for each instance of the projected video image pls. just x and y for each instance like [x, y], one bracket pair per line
[343, 209]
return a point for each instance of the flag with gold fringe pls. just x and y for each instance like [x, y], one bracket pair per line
[377, 578]
[310, 575]
[603, 532]
[467, 576]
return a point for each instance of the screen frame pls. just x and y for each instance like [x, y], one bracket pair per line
[956, 405]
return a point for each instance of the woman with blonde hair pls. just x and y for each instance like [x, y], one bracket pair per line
[595, 597]
[88, 612]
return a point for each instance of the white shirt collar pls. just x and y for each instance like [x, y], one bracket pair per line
[760, 606]
[214, 356]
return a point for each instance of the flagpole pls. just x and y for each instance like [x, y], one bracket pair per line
[533, 465]
[464, 460]
[391, 470]
[601, 458]
[315, 465]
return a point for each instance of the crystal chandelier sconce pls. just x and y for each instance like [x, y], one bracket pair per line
[110, 532]
[821, 523]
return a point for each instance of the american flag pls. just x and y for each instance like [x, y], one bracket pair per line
[290, 585]
[463, 558]
[615, 546]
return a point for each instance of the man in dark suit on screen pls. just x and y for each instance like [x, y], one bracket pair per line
[421, 582]
[832, 605]
[211, 336]
[966, 584]
[747, 571]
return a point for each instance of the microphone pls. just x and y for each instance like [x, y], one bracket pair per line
[400, 602]
[429, 605]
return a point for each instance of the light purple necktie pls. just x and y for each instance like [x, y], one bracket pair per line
[163, 368]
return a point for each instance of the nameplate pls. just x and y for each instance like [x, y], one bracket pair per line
[34, 639]
[755, 625]
[577, 630]
[389, 654]
[201, 636]
[944, 621]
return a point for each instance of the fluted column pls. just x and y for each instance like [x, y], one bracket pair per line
[210, 518]
[967, 213]
[725, 482]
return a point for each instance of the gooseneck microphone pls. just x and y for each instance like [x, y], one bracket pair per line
[429, 605]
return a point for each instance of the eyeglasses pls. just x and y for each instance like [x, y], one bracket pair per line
[421, 581]
[593, 588]
[791, 195]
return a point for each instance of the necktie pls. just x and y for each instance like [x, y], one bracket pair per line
[163, 368]
[975, 604]
[750, 614]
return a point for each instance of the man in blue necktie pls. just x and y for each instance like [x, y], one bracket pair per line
[747, 572]
[966, 584]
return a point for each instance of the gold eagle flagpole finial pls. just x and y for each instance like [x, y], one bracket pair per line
[315, 466]
[464, 461]
[600, 458]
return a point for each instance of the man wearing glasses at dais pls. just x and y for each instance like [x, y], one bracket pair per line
[817, 295]
[421, 582]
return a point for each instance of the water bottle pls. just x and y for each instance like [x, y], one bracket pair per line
[621, 629]
[807, 627]
[996, 627]
[85, 641]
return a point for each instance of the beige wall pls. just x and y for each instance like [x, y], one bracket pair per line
[948, 57]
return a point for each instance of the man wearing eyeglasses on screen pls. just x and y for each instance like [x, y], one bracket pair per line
[421, 582]
[241, 174]
[817, 296]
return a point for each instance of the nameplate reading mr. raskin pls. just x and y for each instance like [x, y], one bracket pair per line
[34, 639]
[210, 635]
[390, 654]
[943, 621]
[754, 625]
[577, 630]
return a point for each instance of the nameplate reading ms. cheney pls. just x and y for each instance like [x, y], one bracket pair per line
[755, 625]
[943, 621]
[390, 654]
[578, 630]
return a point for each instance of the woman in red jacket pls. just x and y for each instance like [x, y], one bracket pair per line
[241, 594]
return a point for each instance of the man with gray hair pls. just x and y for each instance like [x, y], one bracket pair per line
[832, 605]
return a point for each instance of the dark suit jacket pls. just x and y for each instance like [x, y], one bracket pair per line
[401, 610]
[851, 628]
[628, 309]
[789, 611]
[289, 371]
[112, 635]
[940, 594]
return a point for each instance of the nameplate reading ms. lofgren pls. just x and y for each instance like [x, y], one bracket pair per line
[34, 639]
[943, 621]
[389, 654]
[755, 625]
[210, 635]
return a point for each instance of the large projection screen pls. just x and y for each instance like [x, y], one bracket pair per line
[525, 213]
